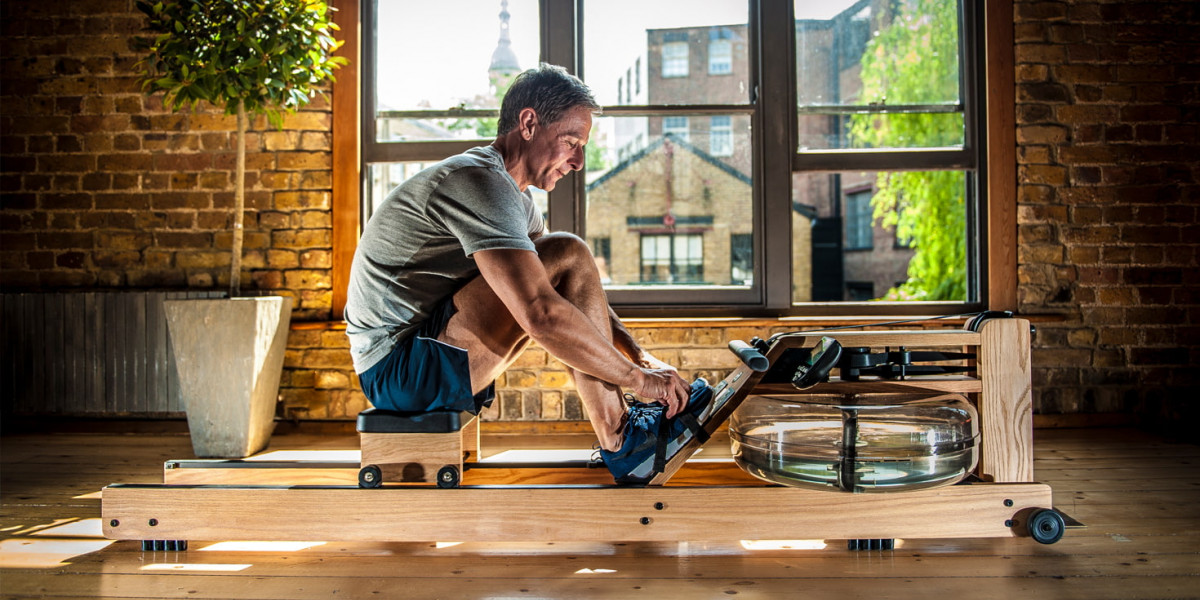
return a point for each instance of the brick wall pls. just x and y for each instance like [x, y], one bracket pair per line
[1108, 134]
[101, 188]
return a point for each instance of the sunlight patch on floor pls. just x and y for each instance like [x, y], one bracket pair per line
[83, 528]
[198, 567]
[260, 546]
[46, 554]
[784, 544]
[314, 455]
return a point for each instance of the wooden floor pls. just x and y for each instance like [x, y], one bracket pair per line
[1138, 495]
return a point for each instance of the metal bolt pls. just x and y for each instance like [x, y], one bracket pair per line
[153, 522]
[1009, 523]
[1008, 502]
[114, 523]
[659, 506]
[369, 476]
[645, 520]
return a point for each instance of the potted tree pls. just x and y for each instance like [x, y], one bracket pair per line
[249, 57]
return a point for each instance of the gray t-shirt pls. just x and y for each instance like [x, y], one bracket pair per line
[416, 249]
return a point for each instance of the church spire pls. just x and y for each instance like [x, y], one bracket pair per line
[504, 61]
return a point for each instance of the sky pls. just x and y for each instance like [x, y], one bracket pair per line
[420, 59]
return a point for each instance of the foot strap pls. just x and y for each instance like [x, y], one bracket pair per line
[660, 447]
[664, 430]
[693, 425]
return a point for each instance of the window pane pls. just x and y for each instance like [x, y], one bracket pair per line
[890, 235]
[670, 208]
[661, 52]
[878, 74]
[384, 177]
[436, 70]
[720, 56]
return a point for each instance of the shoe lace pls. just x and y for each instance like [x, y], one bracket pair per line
[640, 415]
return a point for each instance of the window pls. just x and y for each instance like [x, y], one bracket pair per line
[720, 51]
[858, 221]
[602, 251]
[720, 136]
[675, 56]
[457, 106]
[886, 98]
[676, 126]
[672, 258]
[896, 109]
[741, 260]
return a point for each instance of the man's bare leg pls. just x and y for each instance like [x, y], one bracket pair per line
[493, 340]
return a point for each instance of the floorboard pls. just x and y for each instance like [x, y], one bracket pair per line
[1137, 495]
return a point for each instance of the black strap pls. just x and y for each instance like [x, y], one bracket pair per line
[660, 448]
[664, 431]
[694, 426]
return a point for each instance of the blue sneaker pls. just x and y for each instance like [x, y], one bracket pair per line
[651, 439]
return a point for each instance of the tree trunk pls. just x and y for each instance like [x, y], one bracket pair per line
[239, 205]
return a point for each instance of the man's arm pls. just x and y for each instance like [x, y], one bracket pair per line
[624, 342]
[520, 281]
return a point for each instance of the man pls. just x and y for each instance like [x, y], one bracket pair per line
[454, 275]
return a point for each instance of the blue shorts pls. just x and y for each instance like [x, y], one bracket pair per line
[422, 374]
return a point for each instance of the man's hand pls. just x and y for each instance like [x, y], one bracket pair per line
[665, 386]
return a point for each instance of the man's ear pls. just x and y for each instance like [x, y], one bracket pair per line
[527, 123]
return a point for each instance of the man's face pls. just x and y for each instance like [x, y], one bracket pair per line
[557, 149]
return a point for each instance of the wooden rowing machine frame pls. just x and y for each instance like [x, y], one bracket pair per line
[705, 502]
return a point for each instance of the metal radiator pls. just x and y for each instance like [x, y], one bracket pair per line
[89, 354]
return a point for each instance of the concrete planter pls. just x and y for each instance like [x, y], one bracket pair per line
[229, 353]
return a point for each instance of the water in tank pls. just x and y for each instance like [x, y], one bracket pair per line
[878, 445]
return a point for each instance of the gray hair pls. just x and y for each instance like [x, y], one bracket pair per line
[549, 90]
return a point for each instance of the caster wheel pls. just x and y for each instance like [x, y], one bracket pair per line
[164, 545]
[447, 477]
[370, 477]
[1046, 526]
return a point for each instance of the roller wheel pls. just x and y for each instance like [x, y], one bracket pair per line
[447, 477]
[370, 476]
[1046, 526]
[870, 544]
[164, 545]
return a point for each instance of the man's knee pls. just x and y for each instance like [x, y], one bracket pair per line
[562, 247]
[565, 254]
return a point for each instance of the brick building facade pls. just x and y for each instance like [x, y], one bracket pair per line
[101, 188]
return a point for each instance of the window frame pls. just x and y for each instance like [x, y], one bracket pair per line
[772, 101]
[725, 129]
[725, 66]
[679, 64]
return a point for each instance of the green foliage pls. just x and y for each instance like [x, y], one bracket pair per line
[914, 60]
[270, 55]
[595, 158]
